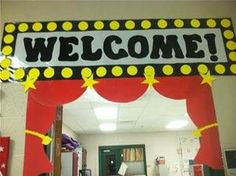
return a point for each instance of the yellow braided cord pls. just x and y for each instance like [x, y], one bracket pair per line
[46, 140]
[198, 132]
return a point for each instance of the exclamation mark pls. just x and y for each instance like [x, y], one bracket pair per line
[210, 38]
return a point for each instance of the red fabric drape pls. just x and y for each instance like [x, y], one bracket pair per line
[41, 112]
[39, 118]
[53, 93]
[200, 107]
[120, 89]
[42, 104]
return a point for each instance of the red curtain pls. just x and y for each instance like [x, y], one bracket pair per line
[42, 104]
[41, 112]
[200, 107]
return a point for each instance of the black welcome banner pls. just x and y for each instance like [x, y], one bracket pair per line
[117, 48]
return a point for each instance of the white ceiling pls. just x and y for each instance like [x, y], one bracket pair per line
[149, 113]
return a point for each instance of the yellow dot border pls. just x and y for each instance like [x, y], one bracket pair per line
[128, 24]
[119, 71]
[102, 71]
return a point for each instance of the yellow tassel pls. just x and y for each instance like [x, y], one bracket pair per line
[198, 132]
[46, 140]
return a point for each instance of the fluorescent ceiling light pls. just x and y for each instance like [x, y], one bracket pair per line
[107, 127]
[177, 124]
[106, 113]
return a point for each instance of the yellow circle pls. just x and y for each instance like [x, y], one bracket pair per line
[99, 25]
[167, 69]
[10, 28]
[149, 70]
[228, 34]
[101, 71]
[49, 72]
[66, 72]
[233, 68]
[37, 26]
[225, 23]
[132, 70]
[211, 23]
[8, 39]
[67, 26]
[86, 72]
[231, 45]
[232, 56]
[114, 25]
[179, 23]
[5, 63]
[19, 74]
[117, 71]
[34, 73]
[52, 26]
[7, 50]
[195, 23]
[83, 25]
[129, 24]
[23, 27]
[146, 24]
[220, 68]
[185, 69]
[5, 75]
[162, 23]
[202, 68]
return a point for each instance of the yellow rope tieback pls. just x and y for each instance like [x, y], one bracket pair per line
[46, 140]
[198, 132]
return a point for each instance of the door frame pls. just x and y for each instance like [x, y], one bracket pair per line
[120, 147]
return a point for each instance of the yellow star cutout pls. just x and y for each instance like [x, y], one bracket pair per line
[150, 80]
[89, 82]
[29, 83]
[207, 78]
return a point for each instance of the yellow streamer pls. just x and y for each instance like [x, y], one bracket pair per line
[46, 140]
[198, 132]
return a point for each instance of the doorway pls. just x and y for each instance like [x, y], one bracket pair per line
[109, 160]
[112, 157]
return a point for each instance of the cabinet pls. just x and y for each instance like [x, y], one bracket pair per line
[163, 170]
[69, 164]
[82, 158]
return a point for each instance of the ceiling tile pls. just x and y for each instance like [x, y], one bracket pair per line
[150, 112]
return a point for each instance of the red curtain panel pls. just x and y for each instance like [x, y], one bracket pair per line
[42, 104]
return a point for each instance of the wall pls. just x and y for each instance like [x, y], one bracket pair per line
[16, 11]
[156, 144]
[67, 130]
[12, 123]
